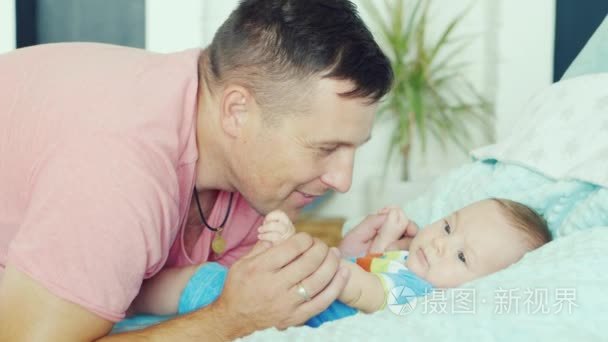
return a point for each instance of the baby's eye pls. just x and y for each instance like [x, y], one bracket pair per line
[447, 227]
[461, 257]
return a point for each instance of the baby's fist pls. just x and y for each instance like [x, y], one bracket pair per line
[277, 227]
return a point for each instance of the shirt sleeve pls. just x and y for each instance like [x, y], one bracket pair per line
[400, 284]
[99, 217]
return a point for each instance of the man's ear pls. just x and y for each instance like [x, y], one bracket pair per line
[236, 104]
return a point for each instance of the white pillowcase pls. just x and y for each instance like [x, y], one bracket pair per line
[564, 133]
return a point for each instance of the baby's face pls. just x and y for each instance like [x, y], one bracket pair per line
[472, 242]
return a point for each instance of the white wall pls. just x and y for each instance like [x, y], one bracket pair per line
[525, 56]
[216, 11]
[512, 58]
[7, 25]
[172, 25]
[178, 25]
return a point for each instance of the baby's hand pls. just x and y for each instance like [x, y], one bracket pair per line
[395, 227]
[277, 227]
[358, 240]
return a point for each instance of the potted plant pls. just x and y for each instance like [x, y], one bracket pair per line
[430, 95]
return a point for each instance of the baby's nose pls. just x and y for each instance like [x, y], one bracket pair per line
[439, 244]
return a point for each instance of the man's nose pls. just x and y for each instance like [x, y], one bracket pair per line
[339, 174]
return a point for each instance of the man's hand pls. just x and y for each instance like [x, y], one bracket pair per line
[261, 290]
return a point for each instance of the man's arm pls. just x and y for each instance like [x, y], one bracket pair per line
[212, 323]
[260, 292]
[29, 312]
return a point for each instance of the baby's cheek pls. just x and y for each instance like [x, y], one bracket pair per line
[412, 266]
[415, 265]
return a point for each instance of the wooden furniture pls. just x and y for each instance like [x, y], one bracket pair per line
[328, 230]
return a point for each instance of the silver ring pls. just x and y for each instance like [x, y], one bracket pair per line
[303, 293]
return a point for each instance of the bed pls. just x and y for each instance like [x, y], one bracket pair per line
[557, 163]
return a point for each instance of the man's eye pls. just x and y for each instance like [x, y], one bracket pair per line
[461, 257]
[328, 150]
[447, 227]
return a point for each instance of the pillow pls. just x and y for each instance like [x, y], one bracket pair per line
[567, 205]
[564, 133]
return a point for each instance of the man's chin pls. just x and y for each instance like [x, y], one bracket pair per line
[292, 213]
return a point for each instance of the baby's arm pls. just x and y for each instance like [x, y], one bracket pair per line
[160, 295]
[394, 228]
[363, 291]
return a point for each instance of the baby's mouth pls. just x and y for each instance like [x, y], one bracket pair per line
[422, 257]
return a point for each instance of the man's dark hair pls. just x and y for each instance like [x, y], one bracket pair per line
[271, 42]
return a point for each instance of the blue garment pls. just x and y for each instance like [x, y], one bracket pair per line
[208, 282]
[335, 311]
[206, 285]
[395, 278]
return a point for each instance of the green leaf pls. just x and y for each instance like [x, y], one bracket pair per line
[376, 16]
[431, 97]
[446, 33]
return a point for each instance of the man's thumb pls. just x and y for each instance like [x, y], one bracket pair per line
[260, 247]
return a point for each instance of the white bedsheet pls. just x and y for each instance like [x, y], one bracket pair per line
[580, 276]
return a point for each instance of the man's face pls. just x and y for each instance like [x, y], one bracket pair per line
[287, 164]
[472, 242]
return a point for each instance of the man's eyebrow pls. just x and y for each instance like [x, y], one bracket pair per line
[340, 142]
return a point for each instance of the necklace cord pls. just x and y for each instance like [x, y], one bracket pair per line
[200, 212]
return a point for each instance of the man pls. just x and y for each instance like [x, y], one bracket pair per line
[103, 149]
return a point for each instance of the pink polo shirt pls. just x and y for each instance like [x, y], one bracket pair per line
[97, 164]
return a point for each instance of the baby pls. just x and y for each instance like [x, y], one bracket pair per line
[475, 241]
